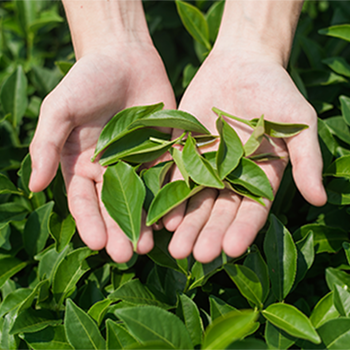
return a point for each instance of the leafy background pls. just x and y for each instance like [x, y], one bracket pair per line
[291, 288]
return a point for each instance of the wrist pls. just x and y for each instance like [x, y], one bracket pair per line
[99, 25]
[264, 28]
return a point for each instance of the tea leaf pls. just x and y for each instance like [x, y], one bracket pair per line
[195, 22]
[218, 307]
[118, 337]
[240, 190]
[276, 338]
[338, 191]
[99, 310]
[341, 300]
[213, 18]
[292, 321]
[280, 130]
[198, 168]
[327, 143]
[281, 256]
[119, 125]
[324, 311]
[228, 328]
[14, 300]
[339, 128]
[339, 65]
[6, 186]
[346, 247]
[248, 343]
[250, 176]
[123, 193]
[345, 108]
[28, 301]
[230, 149]
[338, 31]
[177, 157]
[337, 277]
[335, 334]
[82, 332]
[9, 266]
[169, 197]
[339, 168]
[5, 233]
[255, 138]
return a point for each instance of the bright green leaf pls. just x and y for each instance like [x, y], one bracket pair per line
[341, 31]
[323, 311]
[62, 230]
[255, 138]
[276, 338]
[219, 307]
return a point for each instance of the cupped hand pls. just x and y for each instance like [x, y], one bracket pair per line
[246, 86]
[71, 119]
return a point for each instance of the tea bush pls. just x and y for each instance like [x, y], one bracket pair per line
[289, 290]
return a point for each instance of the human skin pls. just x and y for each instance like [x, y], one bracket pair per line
[118, 67]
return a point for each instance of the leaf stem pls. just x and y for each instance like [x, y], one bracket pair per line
[244, 121]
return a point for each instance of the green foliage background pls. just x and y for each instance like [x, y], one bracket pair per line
[289, 290]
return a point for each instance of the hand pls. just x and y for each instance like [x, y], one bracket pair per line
[71, 119]
[246, 86]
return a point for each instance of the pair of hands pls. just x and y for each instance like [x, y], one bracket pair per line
[99, 85]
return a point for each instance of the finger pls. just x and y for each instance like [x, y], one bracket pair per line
[250, 218]
[145, 243]
[197, 214]
[52, 132]
[84, 206]
[209, 243]
[306, 159]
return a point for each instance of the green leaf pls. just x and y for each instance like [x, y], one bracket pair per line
[82, 332]
[213, 18]
[229, 328]
[339, 128]
[13, 95]
[345, 108]
[6, 186]
[169, 197]
[251, 177]
[135, 293]
[305, 257]
[30, 321]
[338, 191]
[68, 273]
[9, 266]
[341, 300]
[327, 143]
[276, 338]
[190, 315]
[62, 230]
[337, 277]
[171, 118]
[123, 193]
[242, 191]
[339, 168]
[99, 310]
[339, 31]
[50, 338]
[321, 77]
[256, 263]
[346, 247]
[280, 130]
[118, 337]
[188, 74]
[134, 145]
[160, 253]
[25, 172]
[339, 65]
[335, 333]
[218, 307]
[230, 149]
[249, 343]
[195, 22]
[255, 138]
[165, 326]
[44, 79]
[64, 66]
[177, 157]
[150, 345]
[46, 18]
[8, 341]
[247, 282]
[326, 238]
[36, 230]
[119, 125]
[323, 311]
[5, 232]
[281, 256]
[14, 300]
[292, 321]
[26, 11]
[198, 168]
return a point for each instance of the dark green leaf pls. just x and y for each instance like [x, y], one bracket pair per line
[292, 321]
[346, 247]
[30, 321]
[82, 332]
[135, 293]
[28, 301]
[119, 125]
[341, 31]
[198, 168]
[14, 300]
[44, 79]
[213, 18]
[25, 172]
[339, 168]
[320, 77]
[338, 191]
[169, 197]
[228, 328]
[36, 230]
[5, 232]
[118, 337]
[230, 149]
[247, 282]
[195, 22]
[164, 326]
[242, 191]
[255, 138]
[13, 95]
[337, 277]
[335, 333]
[339, 128]
[218, 307]
[327, 143]
[46, 18]
[172, 119]
[345, 108]
[9, 266]
[281, 255]
[249, 343]
[62, 230]
[324, 311]
[6, 186]
[276, 338]
[250, 176]
[50, 338]
[123, 193]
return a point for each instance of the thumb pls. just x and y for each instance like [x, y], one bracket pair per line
[53, 129]
[306, 159]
